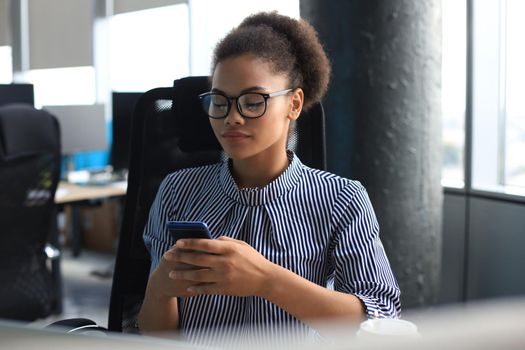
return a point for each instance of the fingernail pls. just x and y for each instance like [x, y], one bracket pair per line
[170, 256]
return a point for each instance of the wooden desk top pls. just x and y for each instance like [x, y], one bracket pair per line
[68, 192]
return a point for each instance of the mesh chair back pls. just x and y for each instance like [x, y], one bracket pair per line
[29, 174]
[170, 131]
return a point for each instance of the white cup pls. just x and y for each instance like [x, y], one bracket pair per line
[387, 327]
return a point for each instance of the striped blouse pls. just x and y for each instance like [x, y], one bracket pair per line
[314, 223]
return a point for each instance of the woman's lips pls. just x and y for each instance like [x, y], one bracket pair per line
[234, 136]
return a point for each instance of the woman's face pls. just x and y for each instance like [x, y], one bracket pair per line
[265, 137]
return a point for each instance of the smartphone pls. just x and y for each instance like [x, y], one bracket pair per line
[188, 229]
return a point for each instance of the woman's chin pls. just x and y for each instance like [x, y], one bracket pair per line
[238, 154]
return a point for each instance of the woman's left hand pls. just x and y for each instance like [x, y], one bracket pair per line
[228, 267]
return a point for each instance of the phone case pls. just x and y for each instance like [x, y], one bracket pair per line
[188, 229]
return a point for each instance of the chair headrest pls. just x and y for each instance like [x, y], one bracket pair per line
[196, 132]
[25, 130]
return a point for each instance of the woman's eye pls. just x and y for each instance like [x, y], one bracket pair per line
[219, 105]
[253, 105]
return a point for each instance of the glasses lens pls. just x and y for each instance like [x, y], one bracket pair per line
[215, 105]
[252, 105]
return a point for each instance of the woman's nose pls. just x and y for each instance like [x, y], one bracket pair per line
[233, 116]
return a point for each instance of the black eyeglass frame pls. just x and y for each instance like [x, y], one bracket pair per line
[265, 96]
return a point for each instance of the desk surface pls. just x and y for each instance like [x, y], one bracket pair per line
[493, 324]
[19, 336]
[68, 192]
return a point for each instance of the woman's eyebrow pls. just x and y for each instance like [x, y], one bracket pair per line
[250, 89]
[253, 88]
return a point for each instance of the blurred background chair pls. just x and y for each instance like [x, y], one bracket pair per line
[171, 131]
[29, 174]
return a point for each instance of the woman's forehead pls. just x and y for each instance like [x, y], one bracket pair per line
[244, 72]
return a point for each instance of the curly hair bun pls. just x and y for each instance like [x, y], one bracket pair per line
[290, 45]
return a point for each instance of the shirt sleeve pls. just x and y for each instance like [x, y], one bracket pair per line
[358, 257]
[156, 236]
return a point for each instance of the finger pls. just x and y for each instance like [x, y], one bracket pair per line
[168, 261]
[182, 266]
[232, 240]
[210, 246]
[226, 238]
[200, 276]
[172, 254]
[169, 255]
[195, 258]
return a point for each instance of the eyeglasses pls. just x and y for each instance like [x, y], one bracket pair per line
[249, 104]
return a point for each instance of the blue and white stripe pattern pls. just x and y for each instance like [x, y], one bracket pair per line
[314, 223]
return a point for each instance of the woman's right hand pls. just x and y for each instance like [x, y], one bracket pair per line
[159, 311]
[163, 285]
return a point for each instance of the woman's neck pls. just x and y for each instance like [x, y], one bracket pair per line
[258, 171]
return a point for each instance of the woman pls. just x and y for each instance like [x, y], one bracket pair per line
[294, 245]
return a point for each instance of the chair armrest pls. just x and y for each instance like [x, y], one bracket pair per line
[52, 252]
[77, 325]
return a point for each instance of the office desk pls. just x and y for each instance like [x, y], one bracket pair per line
[74, 195]
[19, 336]
[488, 324]
[68, 193]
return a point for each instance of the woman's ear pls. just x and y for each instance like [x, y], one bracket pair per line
[297, 104]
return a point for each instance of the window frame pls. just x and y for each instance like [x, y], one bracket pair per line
[475, 162]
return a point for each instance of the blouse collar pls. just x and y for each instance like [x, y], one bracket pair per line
[261, 196]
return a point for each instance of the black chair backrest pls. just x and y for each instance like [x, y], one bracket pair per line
[170, 131]
[29, 174]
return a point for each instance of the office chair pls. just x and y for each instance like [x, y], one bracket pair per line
[29, 174]
[171, 131]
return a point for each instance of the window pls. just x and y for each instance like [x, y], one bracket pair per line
[454, 75]
[515, 95]
[149, 48]
[6, 65]
[63, 86]
[211, 20]
[498, 106]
